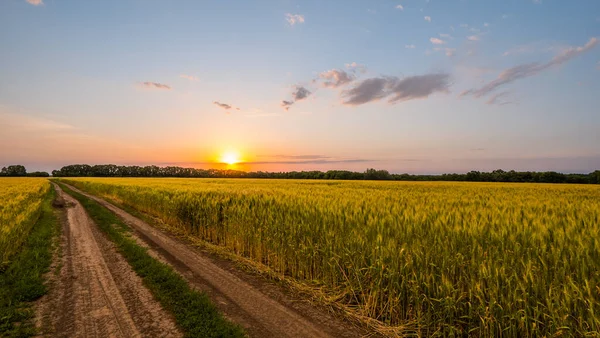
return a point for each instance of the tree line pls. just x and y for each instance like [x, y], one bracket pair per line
[20, 171]
[111, 170]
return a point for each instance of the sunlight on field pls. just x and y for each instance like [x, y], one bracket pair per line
[480, 258]
[20, 201]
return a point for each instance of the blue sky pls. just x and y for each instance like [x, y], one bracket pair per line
[405, 85]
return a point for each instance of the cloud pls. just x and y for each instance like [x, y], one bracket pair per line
[356, 67]
[530, 69]
[301, 93]
[537, 2]
[398, 90]
[35, 2]
[336, 78]
[445, 36]
[224, 105]
[437, 41]
[400, 7]
[427, 18]
[293, 19]
[189, 77]
[473, 38]
[286, 104]
[155, 85]
[410, 46]
[496, 98]
[485, 24]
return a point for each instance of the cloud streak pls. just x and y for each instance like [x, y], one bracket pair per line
[437, 41]
[155, 85]
[35, 2]
[396, 89]
[530, 69]
[224, 106]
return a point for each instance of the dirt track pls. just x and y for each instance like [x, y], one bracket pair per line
[262, 309]
[95, 292]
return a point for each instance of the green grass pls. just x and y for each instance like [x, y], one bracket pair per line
[23, 280]
[194, 313]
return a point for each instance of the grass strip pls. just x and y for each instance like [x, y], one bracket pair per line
[23, 280]
[193, 311]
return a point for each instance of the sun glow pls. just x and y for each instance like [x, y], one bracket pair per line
[230, 158]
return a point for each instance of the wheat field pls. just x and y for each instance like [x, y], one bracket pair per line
[20, 203]
[425, 258]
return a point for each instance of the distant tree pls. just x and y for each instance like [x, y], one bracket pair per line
[38, 174]
[13, 170]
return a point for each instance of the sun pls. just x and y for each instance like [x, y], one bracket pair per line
[230, 158]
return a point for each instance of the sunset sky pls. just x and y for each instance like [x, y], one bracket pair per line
[417, 86]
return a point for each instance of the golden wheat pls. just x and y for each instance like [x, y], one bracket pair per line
[20, 203]
[481, 259]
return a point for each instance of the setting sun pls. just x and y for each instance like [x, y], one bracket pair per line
[230, 158]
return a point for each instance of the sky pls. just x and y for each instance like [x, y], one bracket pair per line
[415, 86]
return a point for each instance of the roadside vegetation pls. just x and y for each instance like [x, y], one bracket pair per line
[31, 248]
[482, 259]
[20, 207]
[193, 311]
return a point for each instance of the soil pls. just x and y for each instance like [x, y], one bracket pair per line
[263, 308]
[93, 290]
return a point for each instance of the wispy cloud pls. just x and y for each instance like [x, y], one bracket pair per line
[356, 67]
[335, 78]
[445, 36]
[473, 38]
[410, 46]
[189, 77]
[155, 85]
[427, 18]
[498, 99]
[400, 7]
[437, 41]
[530, 69]
[397, 90]
[225, 106]
[35, 2]
[299, 94]
[293, 19]
[537, 2]
[286, 104]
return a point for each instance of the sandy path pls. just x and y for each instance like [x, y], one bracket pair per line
[263, 312]
[96, 293]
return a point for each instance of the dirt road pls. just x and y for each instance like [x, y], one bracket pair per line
[95, 292]
[262, 309]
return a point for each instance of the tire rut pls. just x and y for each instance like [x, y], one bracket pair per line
[95, 292]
